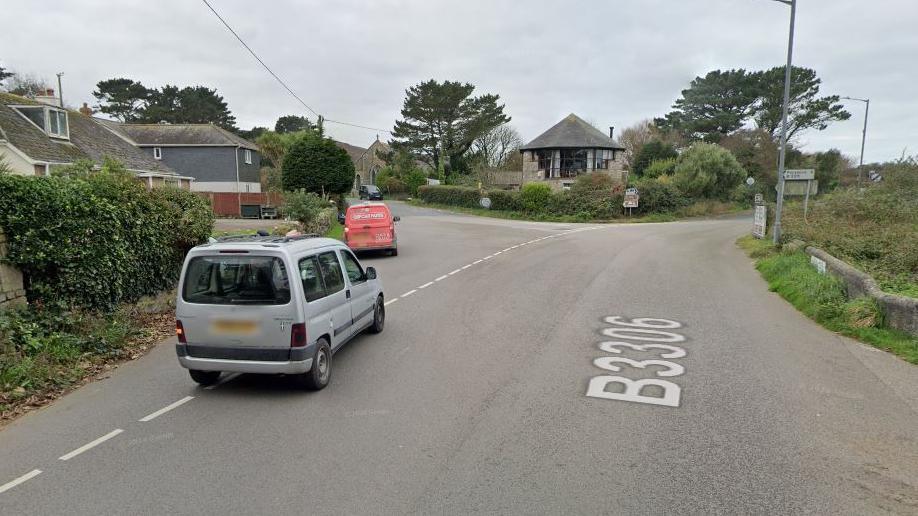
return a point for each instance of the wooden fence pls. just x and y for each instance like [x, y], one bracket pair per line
[227, 204]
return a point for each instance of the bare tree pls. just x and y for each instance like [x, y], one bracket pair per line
[26, 85]
[634, 137]
[497, 146]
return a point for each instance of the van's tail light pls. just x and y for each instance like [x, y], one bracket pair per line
[180, 332]
[298, 335]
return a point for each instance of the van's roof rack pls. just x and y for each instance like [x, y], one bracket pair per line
[267, 239]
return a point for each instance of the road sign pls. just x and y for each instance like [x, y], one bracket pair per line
[485, 203]
[750, 181]
[803, 174]
[631, 199]
[759, 199]
[759, 220]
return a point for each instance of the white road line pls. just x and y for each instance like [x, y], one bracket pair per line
[165, 409]
[476, 262]
[91, 444]
[224, 379]
[389, 302]
[406, 294]
[441, 278]
[13, 483]
[488, 257]
[464, 267]
[507, 249]
[454, 272]
[429, 283]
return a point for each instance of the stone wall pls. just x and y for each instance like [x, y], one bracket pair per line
[900, 312]
[11, 289]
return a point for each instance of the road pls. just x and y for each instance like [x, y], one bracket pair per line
[474, 399]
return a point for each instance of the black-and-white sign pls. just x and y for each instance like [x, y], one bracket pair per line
[485, 203]
[632, 198]
[803, 174]
[759, 199]
[759, 220]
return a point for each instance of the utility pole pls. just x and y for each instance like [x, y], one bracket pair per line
[787, 81]
[60, 90]
[860, 167]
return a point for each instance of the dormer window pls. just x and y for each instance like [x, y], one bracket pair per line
[51, 121]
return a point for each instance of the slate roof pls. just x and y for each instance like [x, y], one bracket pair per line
[148, 135]
[353, 151]
[572, 132]
[88, 140]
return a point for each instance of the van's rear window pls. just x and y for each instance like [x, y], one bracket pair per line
[236, 280]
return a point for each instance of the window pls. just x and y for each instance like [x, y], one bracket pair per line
[157, 153]
[573, 162]
[545, 159]
[52, 121]
[35, 115]
[236, 280]
[57, 123]
[313, 286]
[248, 157]
[331, 272]
[602, 157]
[353, 268]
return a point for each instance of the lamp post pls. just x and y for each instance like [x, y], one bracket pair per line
[787, 80]
[860, 167]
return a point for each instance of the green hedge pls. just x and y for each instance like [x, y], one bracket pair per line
[451, 195]
[98, 240]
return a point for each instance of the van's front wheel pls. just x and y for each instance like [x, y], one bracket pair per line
[204, 378]
[318, 377]
[379, 316]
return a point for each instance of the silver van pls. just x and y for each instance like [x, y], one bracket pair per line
[273, 305]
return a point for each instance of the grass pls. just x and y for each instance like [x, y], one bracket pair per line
[821, 297]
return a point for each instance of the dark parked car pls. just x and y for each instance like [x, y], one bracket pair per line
[370, 193]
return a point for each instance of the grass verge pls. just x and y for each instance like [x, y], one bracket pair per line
[46, 353]
[821, 297]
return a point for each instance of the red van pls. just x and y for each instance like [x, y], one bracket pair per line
[370, 225]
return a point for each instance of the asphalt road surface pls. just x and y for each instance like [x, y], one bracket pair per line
[475, 398]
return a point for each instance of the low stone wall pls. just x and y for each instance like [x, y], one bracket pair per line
[11, 289]
[900, 312]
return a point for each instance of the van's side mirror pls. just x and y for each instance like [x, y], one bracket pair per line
[396, 218]
[340, 217]
[371, 273]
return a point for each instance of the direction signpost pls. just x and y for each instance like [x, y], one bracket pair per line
[802, 174]
[632, 199]
[760, 217]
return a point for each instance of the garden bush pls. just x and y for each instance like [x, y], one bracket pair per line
[535, 197]
[314, 213]
[100, 239]
[706, 170]
[451, 195]
[659, 195]
[505, 200]
[317, 165]
[660, 167]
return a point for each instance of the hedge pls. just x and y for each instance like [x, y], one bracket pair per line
[98, 241]
[464, 196]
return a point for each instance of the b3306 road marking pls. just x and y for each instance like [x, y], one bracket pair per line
[644, 329]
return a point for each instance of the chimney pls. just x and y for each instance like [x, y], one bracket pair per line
[47, 96]
[611, 130]
[86, 110]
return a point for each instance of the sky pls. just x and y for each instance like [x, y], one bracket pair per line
[612, 62]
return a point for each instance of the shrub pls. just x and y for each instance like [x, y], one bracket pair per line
[451, 195]
[653, 151]
[660, 167]
[535, 197]
[659, 196]
[505, 200]
[317, 165]
[313, 212]
[707, 170]
[593, 196]
[100, 240]
[414, 180]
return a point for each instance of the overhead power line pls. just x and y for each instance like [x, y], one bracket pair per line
[278, 79]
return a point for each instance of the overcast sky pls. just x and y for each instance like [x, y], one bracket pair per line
[611, 62]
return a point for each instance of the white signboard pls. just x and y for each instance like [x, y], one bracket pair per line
[485, 202]
[803, 174]
[759, 219]
[819, 264]
[631, 200]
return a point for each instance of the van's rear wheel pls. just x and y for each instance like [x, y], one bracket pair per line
[204, 377]
[320, 374]
[379, 316]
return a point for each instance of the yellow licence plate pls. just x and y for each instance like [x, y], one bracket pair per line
[235, 327]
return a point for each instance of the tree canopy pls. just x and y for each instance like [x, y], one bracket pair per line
[131, 101]
[4, 74]
[707, 170]
[441, 121]
[317, 165]
[655, 150]
[292, 124]
[722, 102]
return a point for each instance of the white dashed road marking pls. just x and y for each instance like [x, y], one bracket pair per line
[406, 294]
[24, 478]
[454, 272]
[165, 409]
[91, 444]
[441, 278]
[225, 379]
[389, 302]
[429, 283]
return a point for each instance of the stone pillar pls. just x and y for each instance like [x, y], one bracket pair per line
[11, 288]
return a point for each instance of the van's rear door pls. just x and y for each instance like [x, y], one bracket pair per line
[369, 226]
[239, 302]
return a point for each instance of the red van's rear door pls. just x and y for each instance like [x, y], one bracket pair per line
[369, 226]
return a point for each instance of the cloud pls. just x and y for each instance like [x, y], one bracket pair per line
[611, 62]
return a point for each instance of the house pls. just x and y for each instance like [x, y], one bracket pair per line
[218, 160]
[38, 136]
[367, 162]
[568, 149]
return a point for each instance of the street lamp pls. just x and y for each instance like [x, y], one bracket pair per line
[860, 167]
[787, 76]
